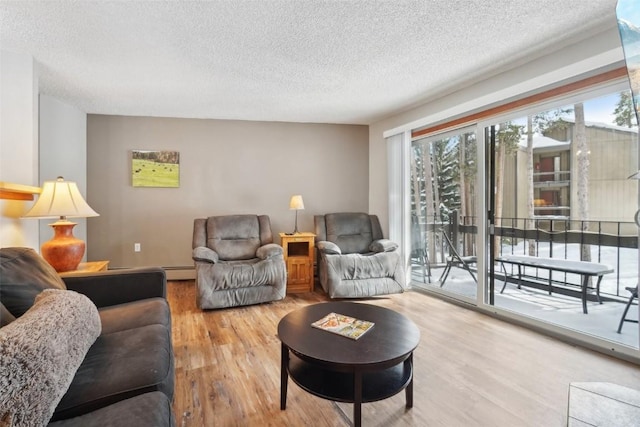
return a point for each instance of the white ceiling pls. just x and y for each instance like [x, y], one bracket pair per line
[282, 60]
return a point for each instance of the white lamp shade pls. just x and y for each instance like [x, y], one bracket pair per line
[60, 199]
[296, 202]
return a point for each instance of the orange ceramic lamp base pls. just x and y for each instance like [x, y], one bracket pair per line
[64, 252]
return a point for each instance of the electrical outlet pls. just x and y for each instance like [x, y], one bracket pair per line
[136, 247]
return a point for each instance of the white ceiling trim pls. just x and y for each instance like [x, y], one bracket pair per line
[526, 83]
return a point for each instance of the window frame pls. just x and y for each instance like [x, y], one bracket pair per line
[582, 90]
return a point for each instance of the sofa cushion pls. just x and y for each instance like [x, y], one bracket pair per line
[118, 366]
[364, 266]
[24, 275]
[234, 237]
[151, 311]
[146, 410]
[350, 231]
[41, 351]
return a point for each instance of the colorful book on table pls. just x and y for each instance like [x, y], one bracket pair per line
[346, 326]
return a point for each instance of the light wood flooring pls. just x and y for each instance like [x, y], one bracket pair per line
[470, 369]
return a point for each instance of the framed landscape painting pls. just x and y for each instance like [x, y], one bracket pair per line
[151, 168]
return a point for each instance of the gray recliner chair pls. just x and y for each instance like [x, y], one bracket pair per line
[237, 262]
[354, 259]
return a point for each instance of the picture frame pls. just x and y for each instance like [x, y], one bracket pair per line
[155, 168]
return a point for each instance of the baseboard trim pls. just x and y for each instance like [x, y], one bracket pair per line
[180, 273]
[184, 272]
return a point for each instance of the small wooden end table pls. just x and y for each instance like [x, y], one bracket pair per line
[299, 256]
[87, 267]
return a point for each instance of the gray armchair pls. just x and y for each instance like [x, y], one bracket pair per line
[354, 259]
[237, 262]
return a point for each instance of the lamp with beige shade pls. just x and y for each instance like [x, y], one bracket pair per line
[296, 203]
[61, 199]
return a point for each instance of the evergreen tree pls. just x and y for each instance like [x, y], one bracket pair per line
[552, 123]
[420, 179]
[439, 170]
[445, 159]
[624, 113]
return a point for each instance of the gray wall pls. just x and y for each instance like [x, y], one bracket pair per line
[226, 167]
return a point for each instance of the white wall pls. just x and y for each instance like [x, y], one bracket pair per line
[63, 152]
[18, 145]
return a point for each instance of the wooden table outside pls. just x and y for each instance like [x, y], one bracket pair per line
[584, 268]
[376, 366]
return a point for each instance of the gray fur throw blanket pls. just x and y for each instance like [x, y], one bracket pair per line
[40, 352]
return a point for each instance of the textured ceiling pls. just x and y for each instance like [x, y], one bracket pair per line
[282, 60]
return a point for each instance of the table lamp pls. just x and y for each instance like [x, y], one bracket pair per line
[297, 204]
[62, 199]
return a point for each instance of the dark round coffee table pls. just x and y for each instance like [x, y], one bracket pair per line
[376, 366]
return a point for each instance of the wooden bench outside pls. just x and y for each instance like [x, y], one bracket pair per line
[584, 268]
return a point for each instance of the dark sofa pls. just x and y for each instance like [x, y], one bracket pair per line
[88, 350]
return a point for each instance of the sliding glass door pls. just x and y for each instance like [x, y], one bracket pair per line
[548, 183]
[563, 193]
[443, 223]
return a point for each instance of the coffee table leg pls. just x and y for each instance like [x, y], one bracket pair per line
[409, 390]
[357, 399]
[284, 376]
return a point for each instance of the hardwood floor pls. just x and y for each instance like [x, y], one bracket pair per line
[470, 369]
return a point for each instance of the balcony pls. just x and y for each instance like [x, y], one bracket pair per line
[551, 179]
[611, 243]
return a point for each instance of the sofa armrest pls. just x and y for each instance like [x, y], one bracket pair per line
[383, 245]
[327, 247]
[113, 287]
[204, 254]
[269, 250]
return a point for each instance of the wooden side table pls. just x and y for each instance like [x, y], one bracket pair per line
[299, 256]
[87, 267]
